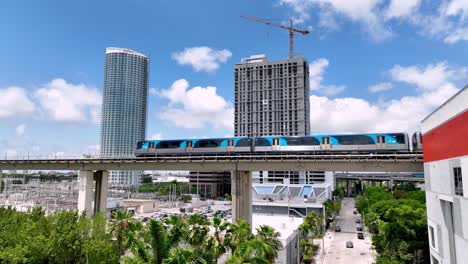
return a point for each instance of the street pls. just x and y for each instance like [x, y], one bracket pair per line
[335, 242]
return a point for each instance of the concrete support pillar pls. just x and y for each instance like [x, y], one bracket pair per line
[100, 194]
[85, 194]
[241, 189]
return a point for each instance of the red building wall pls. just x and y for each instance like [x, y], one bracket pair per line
[448, 140]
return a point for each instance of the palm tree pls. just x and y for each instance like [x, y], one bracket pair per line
[237, 234]
[184, 254]
[197, 234]
[197, 219]
[123, 229]
[178, 230]
[215, 243]
[158, 241]
[270, 236]
[311, 223]
[254, 251]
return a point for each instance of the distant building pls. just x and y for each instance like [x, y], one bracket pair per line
[124, 108]
[445, 146]
[211, 184]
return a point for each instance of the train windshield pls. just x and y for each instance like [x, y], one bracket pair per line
[354, 140]
[301, 141]
[169, 144]
[208, 143]
[400, 138]
[142, 145]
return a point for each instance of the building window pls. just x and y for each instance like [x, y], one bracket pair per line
[431, 236]
[458, 179]
[434, 260]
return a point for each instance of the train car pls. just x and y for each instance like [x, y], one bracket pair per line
[417, 142]
[365, 142]
[345, 143]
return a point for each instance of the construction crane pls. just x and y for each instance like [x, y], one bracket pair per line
[290, 28]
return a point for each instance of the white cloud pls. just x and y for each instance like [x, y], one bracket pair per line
[202, 58]
[196, 108]
[430, 77]
[157, 136]
[332, 90]
[399, 8]
[15, 101]
[341, 115]
[153, 91]
[363, 12]
[380, 87]
[67, 102]
[20, 129]
[445, 20]
[316, 72]
[457, 7]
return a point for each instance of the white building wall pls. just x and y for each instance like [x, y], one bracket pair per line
[440, 192]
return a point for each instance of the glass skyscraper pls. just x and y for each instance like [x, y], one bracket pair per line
[124, 108]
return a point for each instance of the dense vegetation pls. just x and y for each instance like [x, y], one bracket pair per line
[398, 223]
[70, 237]
[164, 188]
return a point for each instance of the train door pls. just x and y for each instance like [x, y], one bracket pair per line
[151, 148]
[188, 147]
[325, 143]
[230, 145]
[381, 142]
[276, 144]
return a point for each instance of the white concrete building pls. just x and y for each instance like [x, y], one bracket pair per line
[445, 145]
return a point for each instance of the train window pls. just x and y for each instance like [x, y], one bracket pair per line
[169, 144]
[325, 140]
[261, 142]
[400, 138]
[208, 143]
[245, 142]
[354, 140]
[301, 141]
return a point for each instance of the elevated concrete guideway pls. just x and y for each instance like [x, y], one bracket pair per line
[93, 173]
[381, 162]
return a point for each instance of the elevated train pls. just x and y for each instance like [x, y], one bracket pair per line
[377, 142]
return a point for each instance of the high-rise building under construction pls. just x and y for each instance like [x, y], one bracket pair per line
[271, 97]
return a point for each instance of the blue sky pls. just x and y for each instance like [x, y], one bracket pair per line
[375, 65]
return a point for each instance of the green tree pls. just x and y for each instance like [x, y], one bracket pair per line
[67, 235]
[98, 248]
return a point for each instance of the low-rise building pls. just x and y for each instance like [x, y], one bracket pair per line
[445, 146]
